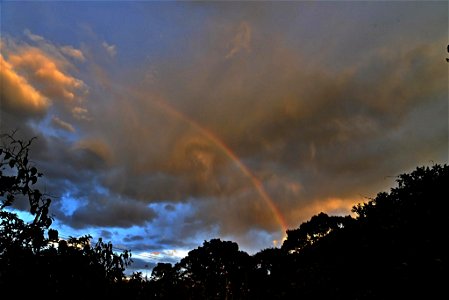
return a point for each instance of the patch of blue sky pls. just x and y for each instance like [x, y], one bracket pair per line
[155, 28]
[45, 18]
[24, 215]
[45, 127]
[70, 204]
[174, 219]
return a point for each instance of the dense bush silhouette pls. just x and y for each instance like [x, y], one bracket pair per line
[395, 246]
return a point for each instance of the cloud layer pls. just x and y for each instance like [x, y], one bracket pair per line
[185, 144]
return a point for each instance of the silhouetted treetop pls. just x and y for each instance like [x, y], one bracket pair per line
[417, 192]
[312, 231]
[17, 176]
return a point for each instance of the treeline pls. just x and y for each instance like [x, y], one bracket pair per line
[394, 247]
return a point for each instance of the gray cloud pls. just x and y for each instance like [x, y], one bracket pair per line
[73, 53]
[110, 49]
[106, 234]
[133, 238]
[108, 211]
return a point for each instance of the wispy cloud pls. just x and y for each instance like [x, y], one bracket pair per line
[241, 41]
[72, 52]
[110, 49]
[62, 124]
[32, 36]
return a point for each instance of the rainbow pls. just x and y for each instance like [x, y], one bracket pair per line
[232, 156]
[167, 108]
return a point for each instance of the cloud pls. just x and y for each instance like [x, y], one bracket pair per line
[80, 113]
[315, 117]
[72, 52]
[33, 37]
[307, 133]
[241, 40]
[110, 49]
[38, 79]
[106, 234]
[18, 95]
[53, 49]
[133, 238]
[45, 72]
[98, 151]
[62, 124]
[103, 212]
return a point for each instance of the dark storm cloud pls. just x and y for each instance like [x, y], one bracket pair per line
[106, 234]
[133, 238]
[108, 211]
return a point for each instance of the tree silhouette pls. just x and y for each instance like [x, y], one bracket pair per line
[164, 282]
[312, 231]
[39, 266]
[269, 268]
[217, 270]
[22, 176]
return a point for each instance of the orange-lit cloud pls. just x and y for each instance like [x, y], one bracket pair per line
[330, 206]
[17, 94]
[40, 76]
[45, 72]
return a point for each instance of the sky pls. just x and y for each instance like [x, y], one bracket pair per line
[161, 125]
